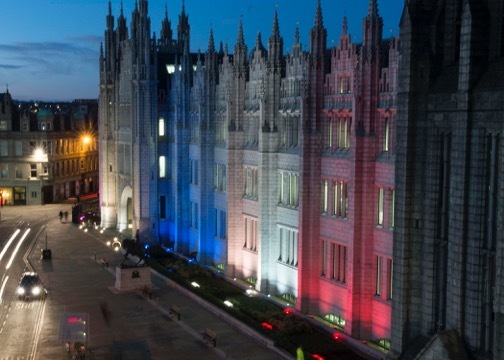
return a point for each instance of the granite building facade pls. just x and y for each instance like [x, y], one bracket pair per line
[448, 241]
[276, 168]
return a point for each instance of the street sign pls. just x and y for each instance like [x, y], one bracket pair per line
[74, 327]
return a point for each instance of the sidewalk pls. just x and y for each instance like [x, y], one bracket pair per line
[140, 328]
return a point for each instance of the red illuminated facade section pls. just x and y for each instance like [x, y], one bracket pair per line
[346, 214]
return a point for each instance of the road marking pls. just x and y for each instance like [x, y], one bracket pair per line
[3, 287]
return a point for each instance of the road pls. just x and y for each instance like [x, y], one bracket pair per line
[140, 328]
[19, 320]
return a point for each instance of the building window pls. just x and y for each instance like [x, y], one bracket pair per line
[18, 148]
[386, 136]
[343, 133]
[250, 234]
[4, 149]
[281, 199]
[162, 167]
[162, 207]
[45, 169]
[193, 164]
[220, 177]
[325, 190]
[4, 171]
[380, 207]
[324, 258]
[161, 127]
[390, 273]
[392, 208]
[338, 262]
[33, 170]
[330, 134]
[335, 319]
[293, 190]
[250, 179]
[34, 194]
[220, 224]
[193, 215]
[289, 245]
[378, 275]
[340, 200]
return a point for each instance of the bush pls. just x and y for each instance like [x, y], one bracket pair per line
[289, 330]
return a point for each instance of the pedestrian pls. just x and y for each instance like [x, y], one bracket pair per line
[61, 215]
[300, 353]
[105, 311]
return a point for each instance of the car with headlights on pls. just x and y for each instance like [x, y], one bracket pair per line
[30, 287]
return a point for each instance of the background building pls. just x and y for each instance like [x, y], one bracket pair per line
[448, 241]
[277, 169]
[48, 151]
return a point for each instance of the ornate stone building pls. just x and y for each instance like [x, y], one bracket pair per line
[276, 168]
[48, 151]
[449, 235]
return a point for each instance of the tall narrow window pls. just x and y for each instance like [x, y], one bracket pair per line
[335, 260]
[324, 257]
[162, 167]
[342, 263]
[330, 134]
[324, 197]
[281, 199]
[392, 207]
[378, 275]
[390, 272]
[162, 207]
[386, 135]
[380, 207]
[161, 127]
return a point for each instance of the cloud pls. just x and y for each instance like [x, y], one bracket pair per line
[58, 58]
[10, 67]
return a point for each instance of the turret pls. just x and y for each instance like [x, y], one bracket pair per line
[275, 45]
[372, 32]
[122, 30]
[240, 49]
[183, 29]
[166, 32]
[318, 34]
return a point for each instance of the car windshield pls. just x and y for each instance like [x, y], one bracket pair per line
[30, 280]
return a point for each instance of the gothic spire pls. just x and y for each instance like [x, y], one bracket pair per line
[211, 44]
[240, 40]
[296, 34]
[318, 16]
[275, 32]
[258, 41]
[318, 34]
[110, 8]
[373, 8]
[166, 31]
[345, 25]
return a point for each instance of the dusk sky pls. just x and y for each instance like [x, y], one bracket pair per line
[49, 49]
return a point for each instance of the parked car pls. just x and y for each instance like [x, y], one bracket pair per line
[30, 286]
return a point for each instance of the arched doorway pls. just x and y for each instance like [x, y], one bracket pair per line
[126, 210]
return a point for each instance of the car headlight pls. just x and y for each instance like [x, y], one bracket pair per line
[20, 291]
[36, 290]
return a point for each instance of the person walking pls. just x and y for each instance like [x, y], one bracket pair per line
[61, 215]
[105, 311]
